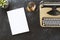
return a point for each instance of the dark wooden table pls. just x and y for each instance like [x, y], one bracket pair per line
[36, 31]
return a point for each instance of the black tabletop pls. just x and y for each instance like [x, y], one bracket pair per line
[36, 31]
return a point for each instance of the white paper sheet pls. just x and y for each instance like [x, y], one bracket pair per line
[17, 20]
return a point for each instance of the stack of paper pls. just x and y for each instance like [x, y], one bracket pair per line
[18, 21]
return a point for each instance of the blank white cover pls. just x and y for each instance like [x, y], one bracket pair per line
[17, 20]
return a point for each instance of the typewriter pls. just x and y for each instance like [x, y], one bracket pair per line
[49, 14]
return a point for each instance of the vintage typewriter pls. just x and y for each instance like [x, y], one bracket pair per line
[49, 14]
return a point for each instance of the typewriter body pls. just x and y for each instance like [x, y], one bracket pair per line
[49, 14]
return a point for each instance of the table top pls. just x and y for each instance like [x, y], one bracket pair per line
[36, 31]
